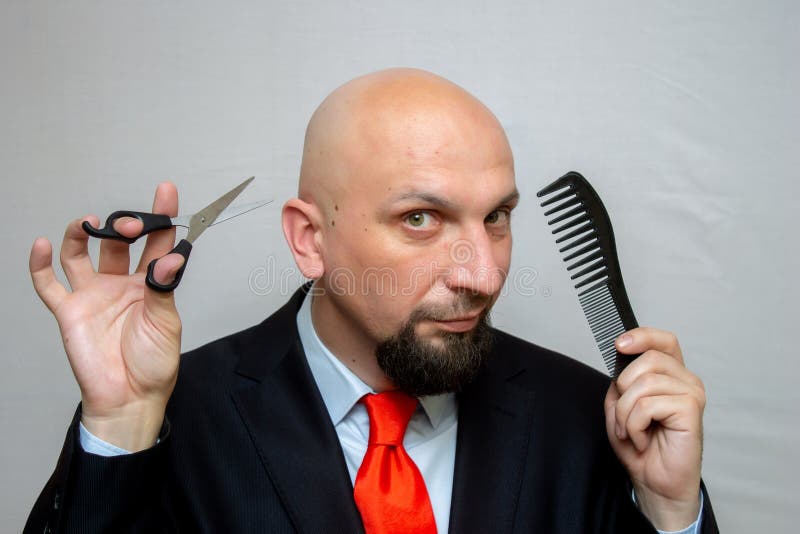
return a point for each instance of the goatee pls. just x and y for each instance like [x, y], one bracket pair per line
[421, 367]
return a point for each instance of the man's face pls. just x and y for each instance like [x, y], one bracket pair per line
[420, 245]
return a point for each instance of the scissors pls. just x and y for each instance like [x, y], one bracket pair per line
[215, 213]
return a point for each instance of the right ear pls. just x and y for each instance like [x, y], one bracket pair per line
[300, 227]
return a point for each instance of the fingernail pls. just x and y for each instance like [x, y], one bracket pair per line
[618, 430]
[624, 340]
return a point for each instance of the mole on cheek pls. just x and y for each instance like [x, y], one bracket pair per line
[333, 223]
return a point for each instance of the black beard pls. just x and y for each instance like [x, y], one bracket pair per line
[419, 367]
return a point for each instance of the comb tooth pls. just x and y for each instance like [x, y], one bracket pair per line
[606, 329]
[604, 335]
[590, 269]
[602, 318]
[607, 320]
[554, 187]
[602, 331]
[579, 241]
[596, 286]
[609, 353]
[601, 322]
[609, 323]
[602, 274]
[602, 312]
[594, 302]
[610, 358]
[611, 361]
[585, 249]
[593, 298]
[589, 307]
[594, 294]
[610, 348]
[566, 215]
[611, 333]
[587, 259]
[578, 231]
[594, 307]
[607, 344]
[598, 314]
[603, 282]
[566, 194]
[609, 310]
[574, 201]
[574, 222]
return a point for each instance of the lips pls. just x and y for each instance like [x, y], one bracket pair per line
[460, 324]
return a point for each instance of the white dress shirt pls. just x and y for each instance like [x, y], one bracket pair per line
[430, 438]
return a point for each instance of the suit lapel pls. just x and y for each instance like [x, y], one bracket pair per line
[298, 446]
[494, 427]
[290, 427]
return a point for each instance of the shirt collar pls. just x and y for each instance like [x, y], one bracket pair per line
[340, 388]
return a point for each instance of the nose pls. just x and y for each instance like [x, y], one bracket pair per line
[477, 263]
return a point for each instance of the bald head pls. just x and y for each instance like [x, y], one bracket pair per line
[370, 126]
[403, 218]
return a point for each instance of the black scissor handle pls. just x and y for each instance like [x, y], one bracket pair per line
[184, 248]
[151, 222]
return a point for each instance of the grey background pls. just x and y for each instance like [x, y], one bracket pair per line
[683, 114]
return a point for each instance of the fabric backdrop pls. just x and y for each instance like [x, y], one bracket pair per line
[683, 114]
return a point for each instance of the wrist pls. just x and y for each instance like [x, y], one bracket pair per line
[133, 428]
[667, 514]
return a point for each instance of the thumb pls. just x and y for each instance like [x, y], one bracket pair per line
[160, 305]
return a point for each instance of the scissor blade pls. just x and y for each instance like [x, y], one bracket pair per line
[206, 217]
[239, 209]
[229, 213]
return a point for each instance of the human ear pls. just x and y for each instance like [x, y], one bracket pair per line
[300, 227]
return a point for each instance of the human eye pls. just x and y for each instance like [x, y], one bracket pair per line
[499, 217]
[420, 220]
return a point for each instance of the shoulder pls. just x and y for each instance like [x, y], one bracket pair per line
[248, 354]
[219, 356]
[543, 370]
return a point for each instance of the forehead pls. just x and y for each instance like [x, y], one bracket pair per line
[459, 153]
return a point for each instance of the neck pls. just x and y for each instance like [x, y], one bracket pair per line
[347, 341]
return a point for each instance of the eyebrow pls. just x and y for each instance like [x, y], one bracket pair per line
[446, 204]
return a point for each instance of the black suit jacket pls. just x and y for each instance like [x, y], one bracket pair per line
[248, 446]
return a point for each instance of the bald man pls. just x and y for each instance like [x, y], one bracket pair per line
[402, 223]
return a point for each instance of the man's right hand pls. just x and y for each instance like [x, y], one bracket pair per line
[121, 337]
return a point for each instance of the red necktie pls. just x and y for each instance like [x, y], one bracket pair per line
[389, 490]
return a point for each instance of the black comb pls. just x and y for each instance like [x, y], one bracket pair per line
[587, 238]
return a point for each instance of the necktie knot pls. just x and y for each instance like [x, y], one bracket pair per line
[389, 413]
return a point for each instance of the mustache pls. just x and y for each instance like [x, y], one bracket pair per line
[462, 306]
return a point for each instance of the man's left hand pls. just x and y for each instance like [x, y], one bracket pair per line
[654, 420]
